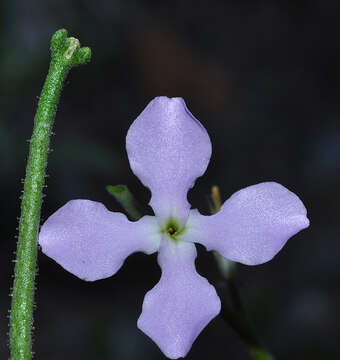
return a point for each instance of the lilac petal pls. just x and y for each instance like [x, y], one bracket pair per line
[92, 242]
[252, 225]
[168, 149]
[179, 307]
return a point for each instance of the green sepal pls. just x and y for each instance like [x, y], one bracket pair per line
[126, 199]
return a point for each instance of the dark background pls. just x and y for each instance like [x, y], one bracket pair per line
[261, 76]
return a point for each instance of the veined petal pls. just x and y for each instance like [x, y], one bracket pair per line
[92, 242]
[179, 307]
[168, 149]
[252, 225]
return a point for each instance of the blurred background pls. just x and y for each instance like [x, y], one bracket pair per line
[262, 77]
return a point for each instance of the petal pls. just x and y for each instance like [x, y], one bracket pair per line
[252, 225]
[178, 308]
[92, 242]
[168, 149]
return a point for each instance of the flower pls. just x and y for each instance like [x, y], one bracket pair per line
[167, 150]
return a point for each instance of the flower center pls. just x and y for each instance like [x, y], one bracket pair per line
[172, 229]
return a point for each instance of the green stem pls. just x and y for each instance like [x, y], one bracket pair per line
[65, 53]
[235, 316]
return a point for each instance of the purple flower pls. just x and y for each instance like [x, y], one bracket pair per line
[168, 149]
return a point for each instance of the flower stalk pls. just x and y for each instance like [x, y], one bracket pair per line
[234, 314]
[65, 53]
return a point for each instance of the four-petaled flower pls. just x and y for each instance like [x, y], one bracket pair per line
[168, 149]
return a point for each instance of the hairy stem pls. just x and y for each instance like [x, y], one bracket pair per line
[65, 53]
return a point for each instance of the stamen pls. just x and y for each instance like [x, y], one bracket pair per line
[172, 231]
